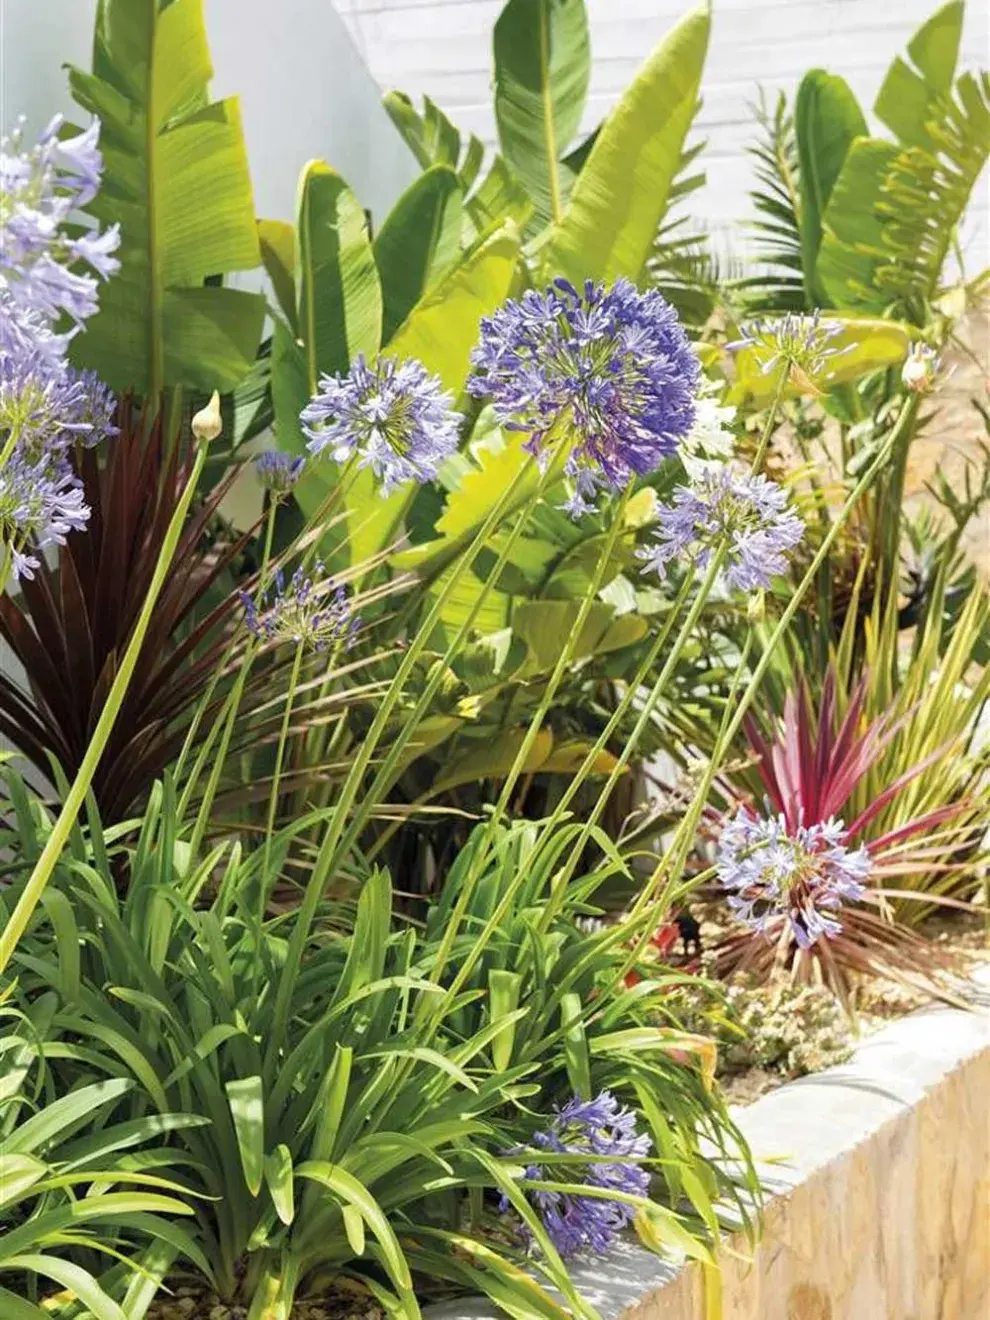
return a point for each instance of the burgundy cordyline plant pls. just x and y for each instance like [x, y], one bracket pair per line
[608, 1155]
[47, 273]
[805, 879]
[608, 373]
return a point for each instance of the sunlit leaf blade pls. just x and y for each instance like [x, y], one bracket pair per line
[622, 193]
[417, 243]
[176, 179]
[542, 57]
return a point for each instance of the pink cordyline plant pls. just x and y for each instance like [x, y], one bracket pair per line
[812, 878]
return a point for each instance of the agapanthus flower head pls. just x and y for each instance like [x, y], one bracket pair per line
[394, 417]
[793, 880]
[278, 472]
[41, 188]
[608, 1153]
[921, 369]
[307, 610]
[40, 504]
[749, 513]
[799, 345]
[607, 372]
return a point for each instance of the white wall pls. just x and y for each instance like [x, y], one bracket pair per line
[442, 48]
[304, 90]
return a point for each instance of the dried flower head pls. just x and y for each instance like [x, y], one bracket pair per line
[608, 372]
[748, 513]
[800, 346]
[921, 369]
[394, 417]
[608, 1154]
[306, 610]
[780, 879]
[278, 472]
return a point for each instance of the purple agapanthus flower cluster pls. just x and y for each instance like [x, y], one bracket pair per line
[609, 1154]
[394, 417]
[609, 373]
[749, 513]
[47, 274]
[306, 610]
[778, 878]
[278, 472]
[41, 188]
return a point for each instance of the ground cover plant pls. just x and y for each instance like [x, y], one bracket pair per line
[341, 942]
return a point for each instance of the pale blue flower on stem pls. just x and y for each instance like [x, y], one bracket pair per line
[800, 345]
[796, 879]
[394, 417]
[609, 1154]
[41, 189]
[748, 513]
[608, 372]
[307, 610]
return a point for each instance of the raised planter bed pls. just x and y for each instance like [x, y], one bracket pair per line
[879, 1172]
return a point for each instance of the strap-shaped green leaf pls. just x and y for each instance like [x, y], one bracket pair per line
[907, 98]
[176, 179]
[622, 193]
[542, 66]
[340, 300]
[827, 120]
[418, 243]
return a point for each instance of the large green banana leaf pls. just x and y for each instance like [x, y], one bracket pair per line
[542, 66]
[908, 96]
[176, 179]
[827, 119]
[895, 207]
[622, 193]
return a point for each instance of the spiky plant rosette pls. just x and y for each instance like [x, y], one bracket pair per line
[607, 371]
[813, 892]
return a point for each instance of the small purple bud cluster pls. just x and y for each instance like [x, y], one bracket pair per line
[307, 611]
[45, 406]
[394, 417]
[278, 472]
[749, 513]
[779, 879]
[608, 1154]
[608, 373]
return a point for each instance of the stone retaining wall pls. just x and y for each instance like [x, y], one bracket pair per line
[880, 1171]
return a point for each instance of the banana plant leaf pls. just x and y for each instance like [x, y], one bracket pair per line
[176, 180]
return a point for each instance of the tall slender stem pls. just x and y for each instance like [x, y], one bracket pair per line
[46, 863]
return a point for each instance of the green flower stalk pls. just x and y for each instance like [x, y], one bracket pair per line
[76, 796]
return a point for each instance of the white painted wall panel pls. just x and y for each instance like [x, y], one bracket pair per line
[304, 90]
[442, 48]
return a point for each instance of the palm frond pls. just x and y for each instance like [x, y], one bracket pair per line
[775, 232]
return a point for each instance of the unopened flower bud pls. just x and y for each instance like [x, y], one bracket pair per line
[756, 607]
[207, 423]
[920, 369]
